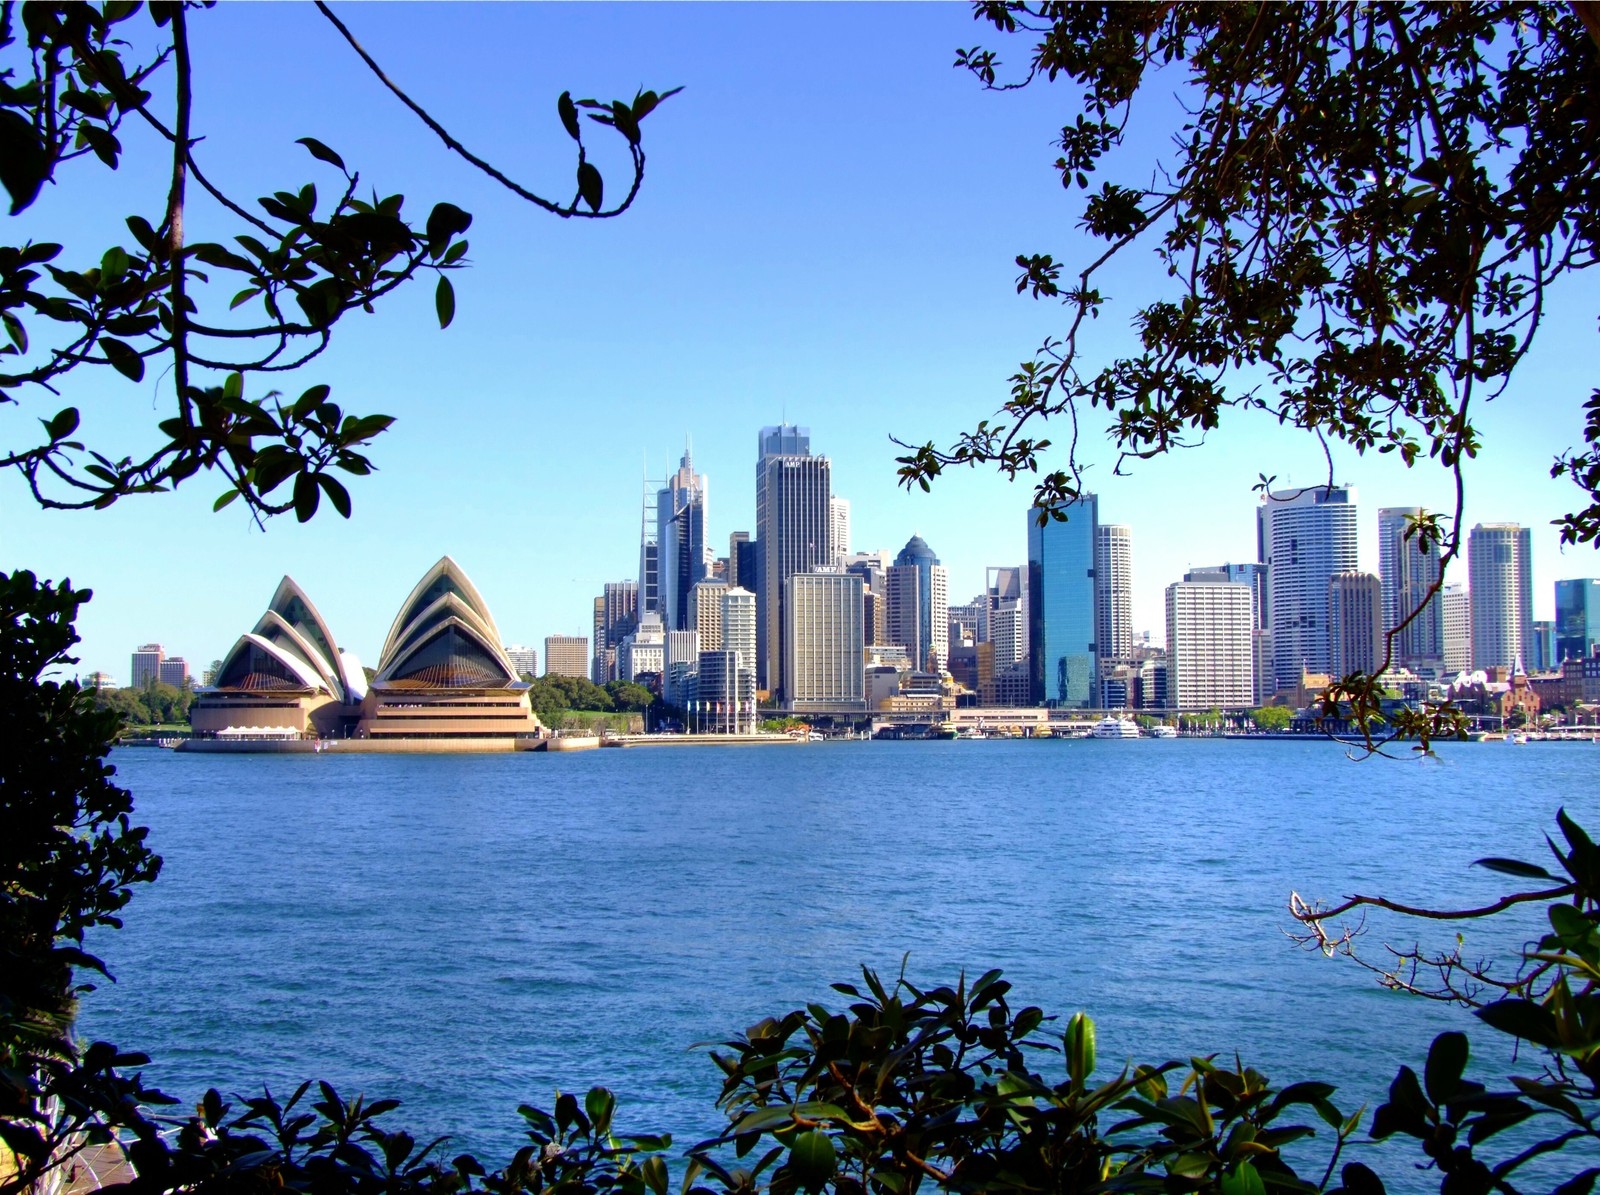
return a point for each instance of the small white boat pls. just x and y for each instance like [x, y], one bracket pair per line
[1162, 731]
[1115, 728]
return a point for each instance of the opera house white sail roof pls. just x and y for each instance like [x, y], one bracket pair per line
[289, 649]
[444, 638]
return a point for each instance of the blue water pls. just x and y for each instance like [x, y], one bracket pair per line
[468, 933]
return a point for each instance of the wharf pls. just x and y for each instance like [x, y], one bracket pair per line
[700, 740]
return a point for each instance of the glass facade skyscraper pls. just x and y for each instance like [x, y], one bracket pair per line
[1577, 618]
[1063, 663]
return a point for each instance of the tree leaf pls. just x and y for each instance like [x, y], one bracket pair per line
[1515, 867]
[337, 494]
[24, 164]
[590, 186]
[306, 496]
[444, 301]
[569, 115]
[123, 359]
[1447, 1059]
[322, 153]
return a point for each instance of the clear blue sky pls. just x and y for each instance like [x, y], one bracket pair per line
[825, 235]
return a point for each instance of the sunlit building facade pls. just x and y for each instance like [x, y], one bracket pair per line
[1063, 664]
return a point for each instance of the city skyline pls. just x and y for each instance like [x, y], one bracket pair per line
[746, 288]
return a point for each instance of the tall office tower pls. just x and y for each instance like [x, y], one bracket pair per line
[1303, 537]
[643, 650]
[902, 611]
[524, 660]
[1210, 659]
[933, 596]
[616, 615]
[1005, 589]
[1408, 574]
[681, 533]
[793, 521]
[147, 664]
[1255, 576]
[705, 613]
[1543, 654]
[1500, 576]
[682, 656]
[1455, 605]
[649, 550]
[1355, 623]
[566, 655]
[1063, 666]
[1113, 596]
[739, 626]
[174, 671]
[823, 665]
[839, 529]
[735, 575]
[1577, 618]
[724, 699]
[597, 636]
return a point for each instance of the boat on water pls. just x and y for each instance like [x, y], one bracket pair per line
[1162, 731]
[1114, 727]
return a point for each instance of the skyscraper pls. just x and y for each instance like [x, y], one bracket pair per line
[566, 655]
[1355, 623]
[930, 649]
[1577, 619]
[681, 533]
[1210, 660]
[839, 528]
[1006, 591]
[705, 613]
[1063, 664]
[823, 665]
[739, 626]
[793, 524]
[1113, 597]
[1500, 576]
[1264, 682]
[1408, 574]
[1456, 606]
[147, 664]
[1304, 537]
[616, 615]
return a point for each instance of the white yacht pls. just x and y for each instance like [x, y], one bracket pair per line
[1114, 727]
[1162, 731]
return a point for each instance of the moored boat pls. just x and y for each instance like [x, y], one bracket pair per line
[1114, 727]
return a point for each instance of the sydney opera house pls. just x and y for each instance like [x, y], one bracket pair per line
[443, 680]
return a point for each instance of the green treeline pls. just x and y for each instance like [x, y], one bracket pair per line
[156, 704]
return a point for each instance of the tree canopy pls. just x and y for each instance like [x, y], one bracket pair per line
[1364, 215]
[221, 315]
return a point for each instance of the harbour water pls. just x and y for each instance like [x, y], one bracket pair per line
[468, 933]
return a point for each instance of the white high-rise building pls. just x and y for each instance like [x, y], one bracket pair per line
[1456, 607]
[1500, 576]
[739, 626]
[1304, 537]
[839, 529]
[823, 652]
[147, 664]
[1210, 658]
[524, 659]
[794, 520]
[1006, 590]
[1113, 592]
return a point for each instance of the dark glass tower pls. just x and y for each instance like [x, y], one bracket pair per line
[1063, 663]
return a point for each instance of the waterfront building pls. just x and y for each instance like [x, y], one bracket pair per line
[566, 655]
[722, 694]
[174, 671]
[739, 626]
[442, 673]
[284, 674]
[1577, 618]
[839, 529]
[823, 649]
[617, 614]
[524, 660]
[793, 524]
[1005, 591]
[1500, 575]
[1210, 657]
[1113, 605]
[147, 665]
[932, 643]
[1455, 606]
[1355, 623]
[1061, 616]
[685, 558]
[902, 609]
[1303, 536]
[705, 613]
[1254, 574]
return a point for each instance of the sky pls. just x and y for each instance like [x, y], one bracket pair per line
[825, 236]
